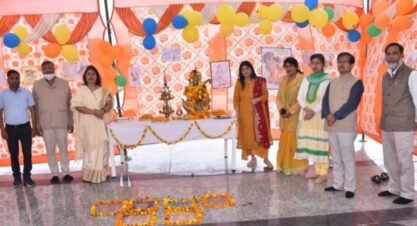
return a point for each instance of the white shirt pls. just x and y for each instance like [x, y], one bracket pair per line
[412, 85]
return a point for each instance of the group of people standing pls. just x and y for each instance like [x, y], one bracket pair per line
[318, 119]
[54, 113]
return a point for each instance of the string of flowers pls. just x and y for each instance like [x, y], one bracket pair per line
[93, 209]
[228, 129]
[205, 200]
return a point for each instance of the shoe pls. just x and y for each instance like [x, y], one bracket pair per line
[331, 189]
[252, 163]
[67, 179]
[28, 182]
[320, 179]
[386, 194]
[311, 175]
[54, 180]
[402, 201]
[384, 177]
[349, 194]
[269, 166]
[17, 181]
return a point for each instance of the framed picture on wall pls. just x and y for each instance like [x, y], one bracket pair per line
[73, 70]
[220, 74]
[272, 70]
[29, 75]
[134, 76]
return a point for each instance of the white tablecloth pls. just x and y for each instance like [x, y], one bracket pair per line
[129, 132]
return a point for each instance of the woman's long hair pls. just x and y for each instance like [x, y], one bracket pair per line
[98, 79]
[292, 61]
[241, 77]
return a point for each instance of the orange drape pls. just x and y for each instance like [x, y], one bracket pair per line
[7, 22]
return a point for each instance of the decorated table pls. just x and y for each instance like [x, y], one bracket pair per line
[132, 133]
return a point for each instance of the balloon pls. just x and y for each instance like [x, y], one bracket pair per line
[380, 6]
[354, 35]
[311, 4]
[193, 17]
[190, 34]
[403, 7]
[400, 23]
[62, 34]
[52, 50]
[241, 19]
[330, 12]
[120, 80]
[69, 52]
[117, 52]
[318, 18]
[21, 32]
[226, 29]
[300, 13]
[149, 42]
[302, 24]
[381, 21]
[11, 40]
[329, 30]
[179, 22]
[149, 26]
[224, 13]
[263, 12]
[366, 19]
[265, 27]
[373, 31]
[23, 49]
[275, 12]
[350, 20]
[105, 47]
[106, 61]
[129, 113]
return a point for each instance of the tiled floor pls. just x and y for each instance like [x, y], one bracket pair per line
[158, 170]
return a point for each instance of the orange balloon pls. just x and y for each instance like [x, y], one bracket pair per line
[52, 50]
[401, 23]
[117, 52]
[129, 113]
[365, 38]
[380, 6]
[106, 61]
[329, 30]
[365, 20]
[382, 21]
[404, 7]
[105, 47]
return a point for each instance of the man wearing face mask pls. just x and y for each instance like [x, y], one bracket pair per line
[398, 123]
[52, 97]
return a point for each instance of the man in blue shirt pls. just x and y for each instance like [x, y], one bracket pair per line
[15, 105]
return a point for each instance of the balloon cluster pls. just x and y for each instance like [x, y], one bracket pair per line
[62, 35]
[269, 14]
[308, 13]
[190, 33]
[350, 21]
[16, 40]
[228, 18]
[149, 25]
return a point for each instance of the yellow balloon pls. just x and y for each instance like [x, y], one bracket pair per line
[62, 34]
[23, 49]
[69, 52]
[226, 29]
[300, 13]
[263, 12]
[225, 13]
[275, 12]
[241, 19]
[190, 34]
[193, 17]
[318, 18]
[350, 20]
[21, 32]
[265, 27]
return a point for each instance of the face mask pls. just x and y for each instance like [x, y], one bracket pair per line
[49, 77]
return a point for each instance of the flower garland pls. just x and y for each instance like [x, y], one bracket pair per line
[186, 206]
[206, 203]
[162, 140]
[93, 209]
[147, 212]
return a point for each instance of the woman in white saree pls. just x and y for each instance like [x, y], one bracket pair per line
[92, 106]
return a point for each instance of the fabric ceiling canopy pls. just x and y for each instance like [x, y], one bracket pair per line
[20, 7]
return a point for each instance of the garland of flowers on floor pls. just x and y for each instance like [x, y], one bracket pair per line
[188, 207]
[162, 140]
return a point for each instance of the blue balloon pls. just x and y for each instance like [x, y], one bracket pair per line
[311, 4]
[11, 40]
[354, 35]
[302, 24]
[179, 22]
[149, 42]
[149, 26]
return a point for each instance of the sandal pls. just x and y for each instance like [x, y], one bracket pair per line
[376, 179]
[384, 177]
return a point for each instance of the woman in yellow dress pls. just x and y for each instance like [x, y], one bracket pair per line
[289, 110]
[92, 106]
[250, 101]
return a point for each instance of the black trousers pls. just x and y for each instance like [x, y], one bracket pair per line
[22, 133]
